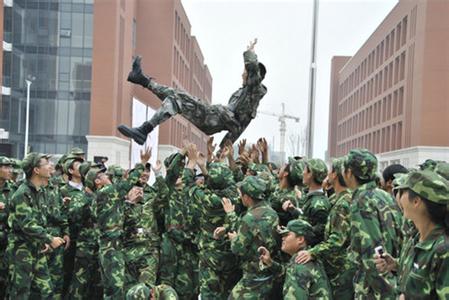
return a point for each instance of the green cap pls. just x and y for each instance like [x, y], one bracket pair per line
[442, 169]
[428, 185]
[399, 179]
[89, 178]
[362, 163]
[84, 168]
[253, 186]
[300, 227]
[219, 176]
[169, 159]
[77, 151]
[115, 171]
[70, 159]
[138, 292]
[337, 165]
[295, 171]
[32, 160]
[4, 161]
[428, 164]
[17, 165]
[318, 168]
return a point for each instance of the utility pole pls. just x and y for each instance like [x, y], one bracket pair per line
[312, 82]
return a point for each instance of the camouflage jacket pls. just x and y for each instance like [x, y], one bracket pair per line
[424, 267]
[110, 205]
[278, 197]
[140, 223]
[26, 218]
[375, 222]
[6, 191]
[54, 210]
[245, 101]
[257, 228]
[333, 250]
[303, 281]
[315, 210]
[82, 218]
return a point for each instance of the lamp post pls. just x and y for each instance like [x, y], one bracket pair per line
[27, 118]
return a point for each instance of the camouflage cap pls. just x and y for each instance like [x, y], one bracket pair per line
[399, 179]
[253, 186]
[69, 161]
[169, 159]
[32, 160]
[295, 171]
[77, 151]
[17, 165]
[4, 161]
[89, 179]
[115, 171]
[138, 292]
[442, 169]
[428, 164]
[84, 168]
[429, 185]
[300, 227]
[318, 168]
[219, 175]
[337, 165]
[362, 163]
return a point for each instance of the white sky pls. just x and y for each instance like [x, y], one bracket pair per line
[283, 28]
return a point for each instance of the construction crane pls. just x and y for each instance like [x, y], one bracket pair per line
[283, 126]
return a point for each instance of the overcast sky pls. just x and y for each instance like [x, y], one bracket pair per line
[283, 28]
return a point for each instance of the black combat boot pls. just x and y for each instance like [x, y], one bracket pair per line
[136, 75]
[138, 134]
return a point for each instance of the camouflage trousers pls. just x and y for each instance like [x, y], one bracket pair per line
[142, 262]
[56, 269]
[363, 290]
[68, 265]
[3, 271]
[341, 284]
[179, 268]
[112, 264]
[218, 274]
[28, 273]
[250, 287]
[86, 279]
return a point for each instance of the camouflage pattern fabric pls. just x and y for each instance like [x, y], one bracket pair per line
[28, 271]
[110, 214]
[424, 266]
[375, 221]
[316, 209]
[428, 185]
[333, 250]
[442, 169]
[143, 292]
[277, 199]
[362, 163]
[318, 168]
[6, 192]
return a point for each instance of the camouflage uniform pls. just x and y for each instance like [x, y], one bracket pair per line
[235, 117]
[81, 262]
[303, 281]
[333, 250]
[28, 270]
[57, 225]
[256, 228]
[110, 216]
[375, 221]
[424, 265]
[143, 292]
[6, 192]
[141, 240]
[316, 206]
[178, 264]
[218, 271]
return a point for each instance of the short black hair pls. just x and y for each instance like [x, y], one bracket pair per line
[391, 170]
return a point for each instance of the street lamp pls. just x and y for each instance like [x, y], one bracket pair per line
[28, 81]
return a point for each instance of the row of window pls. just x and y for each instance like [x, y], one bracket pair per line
[182, 36]
[388, 138]
[378, 56]
[381, 111]
[390, 75]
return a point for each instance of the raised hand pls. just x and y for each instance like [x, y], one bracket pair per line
[265, 256]
[254, 154]
[210, 149]
[157, 167]
[242, 146]
[252, 44]
[228, 207]
[145, 155]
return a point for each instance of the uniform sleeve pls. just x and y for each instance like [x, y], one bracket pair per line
[174, 169]
[318, 217]
[365, 236]
[339, 233]
[242, 242]
[24, 219]
[252, 68]
[442, 274]
[297, 287]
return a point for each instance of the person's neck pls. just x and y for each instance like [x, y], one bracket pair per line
[314, 187]
[338, 188]
[425, 226]
[2, 182]
[36, 181]
[283, 184]
[76, 180]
